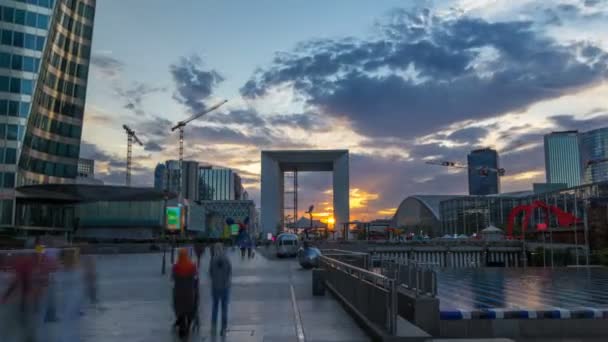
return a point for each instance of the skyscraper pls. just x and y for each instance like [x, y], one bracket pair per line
[220, 185]
[594, 155]
[44, 60]
[562, 158]
[160, 177]
[189, 177]
[51, 144]
[480, 182]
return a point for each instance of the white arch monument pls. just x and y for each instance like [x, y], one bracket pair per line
[275, 163]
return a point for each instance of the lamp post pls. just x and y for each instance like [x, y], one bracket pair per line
[162, 233]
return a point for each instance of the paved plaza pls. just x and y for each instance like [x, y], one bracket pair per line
[270, 301]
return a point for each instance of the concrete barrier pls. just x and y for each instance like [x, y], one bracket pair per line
[423, 311]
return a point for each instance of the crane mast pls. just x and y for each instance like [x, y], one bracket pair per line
[131, 137]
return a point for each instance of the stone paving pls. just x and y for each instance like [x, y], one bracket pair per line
[135, 303]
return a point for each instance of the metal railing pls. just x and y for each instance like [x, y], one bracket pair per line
[418, 277]
[349, 280]
[358, 259]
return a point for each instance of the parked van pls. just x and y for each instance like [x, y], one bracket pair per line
[287, 245]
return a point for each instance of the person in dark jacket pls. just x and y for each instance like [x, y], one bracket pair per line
[220, 271]
[185, 290]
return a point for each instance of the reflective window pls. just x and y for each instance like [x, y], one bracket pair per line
[20, 17]
[5, 60]
[3, 105]
[9, 180]
[18, 39]
[24, 109]
[17, 62]
[30, 19]
[27, 87]
[13, 108]
[11, 132]
[10, 156]
[39, 43]
[2, 130]
[15, 85]
[28, 64]
[8, 14]
[4, 83]
[43, 22]
[30, 42]
[7, 37]
[1, 155]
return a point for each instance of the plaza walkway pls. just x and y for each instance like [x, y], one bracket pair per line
[271, 300]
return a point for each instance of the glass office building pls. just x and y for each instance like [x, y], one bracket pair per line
[220, 185]
[594, 155]
[23, 31]
[482, 181]
[562, 158]
[44, 59]
[471, 214]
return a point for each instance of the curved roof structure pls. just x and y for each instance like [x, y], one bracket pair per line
[431, 202]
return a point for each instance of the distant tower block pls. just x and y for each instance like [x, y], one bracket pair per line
[276, 163]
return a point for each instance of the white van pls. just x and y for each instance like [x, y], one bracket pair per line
[287, 245]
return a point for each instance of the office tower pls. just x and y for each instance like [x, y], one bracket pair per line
[45, 49]
[562, 158]
[483, 178]
[594, 155]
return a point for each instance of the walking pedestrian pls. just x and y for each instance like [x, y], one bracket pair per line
[198, 250]
[220, 271]
[73, 280]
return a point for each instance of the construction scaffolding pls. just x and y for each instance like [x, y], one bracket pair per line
[290, 198]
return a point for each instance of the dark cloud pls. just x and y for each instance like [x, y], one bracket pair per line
[306, 121]
[570, 122]
[470, 135]
[591, 3]
[241, 117]
[348, 77]
[225, 135]
[107, 65]
[133, 96]
[153, 146]
[194, 84]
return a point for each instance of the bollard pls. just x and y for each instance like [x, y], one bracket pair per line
[163, 267]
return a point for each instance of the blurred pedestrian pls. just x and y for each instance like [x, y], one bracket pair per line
[185, 292]
[72, 301]
[30, 288]
[199, 249]
[90, 279]
[220, 271]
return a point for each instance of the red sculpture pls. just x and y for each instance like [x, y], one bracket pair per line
[564, 219]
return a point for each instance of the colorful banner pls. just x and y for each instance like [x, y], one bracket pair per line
[174, 218]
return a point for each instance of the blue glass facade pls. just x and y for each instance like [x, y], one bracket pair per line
[23, 31]
[220, 185]
[44, 56]
[480, 183]
[51, 145]
[594, 155]
[562, 158]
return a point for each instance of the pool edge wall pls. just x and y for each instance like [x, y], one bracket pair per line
[530, 328]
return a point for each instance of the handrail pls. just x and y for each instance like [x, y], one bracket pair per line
[379, 280]
[329, 251]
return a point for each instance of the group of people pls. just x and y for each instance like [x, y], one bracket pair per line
[33, 292]
[186, 297]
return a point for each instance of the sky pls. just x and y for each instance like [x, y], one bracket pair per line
[397, 83]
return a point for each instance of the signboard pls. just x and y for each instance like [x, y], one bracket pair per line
[174, 218]
[234, 229]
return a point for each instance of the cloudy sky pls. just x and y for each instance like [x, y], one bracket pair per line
[395, 85]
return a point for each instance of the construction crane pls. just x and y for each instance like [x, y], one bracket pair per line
[130, 138]
[181, 125]
[482, 170]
